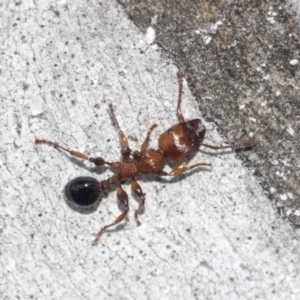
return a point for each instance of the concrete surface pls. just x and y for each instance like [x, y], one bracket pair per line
[210, 234]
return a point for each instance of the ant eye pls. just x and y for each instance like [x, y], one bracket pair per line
[83, 191]
[197, 125]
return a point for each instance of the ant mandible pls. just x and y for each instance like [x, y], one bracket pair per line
[175, 144]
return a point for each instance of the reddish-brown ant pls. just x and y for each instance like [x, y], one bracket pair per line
[175, 144]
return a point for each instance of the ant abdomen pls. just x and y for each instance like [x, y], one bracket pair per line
[83, 191]
[182, 140]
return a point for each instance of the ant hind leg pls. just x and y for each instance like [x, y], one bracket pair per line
[123, 198]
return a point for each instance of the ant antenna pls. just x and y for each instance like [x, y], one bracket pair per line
[180, 83]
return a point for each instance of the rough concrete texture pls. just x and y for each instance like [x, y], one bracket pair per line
[241, 59]
[208, 234]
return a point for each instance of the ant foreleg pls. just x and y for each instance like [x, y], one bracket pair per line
[123, 198]
[183, 168]
[248, 144]
[139, 192]
[144, 146]
[98, 161]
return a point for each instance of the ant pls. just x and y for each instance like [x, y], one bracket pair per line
[175, 145]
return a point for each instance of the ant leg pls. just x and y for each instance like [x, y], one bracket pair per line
[123, 198]
[139, 192]
[248, 144]
[180, 84]
[98, 161]
[144, 146]
[182, 168]
[126, 151]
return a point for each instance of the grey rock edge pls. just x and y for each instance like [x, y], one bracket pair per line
[240, 60]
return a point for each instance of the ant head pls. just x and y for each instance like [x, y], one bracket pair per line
[198, 127]
[83, 192]
[182, 140]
